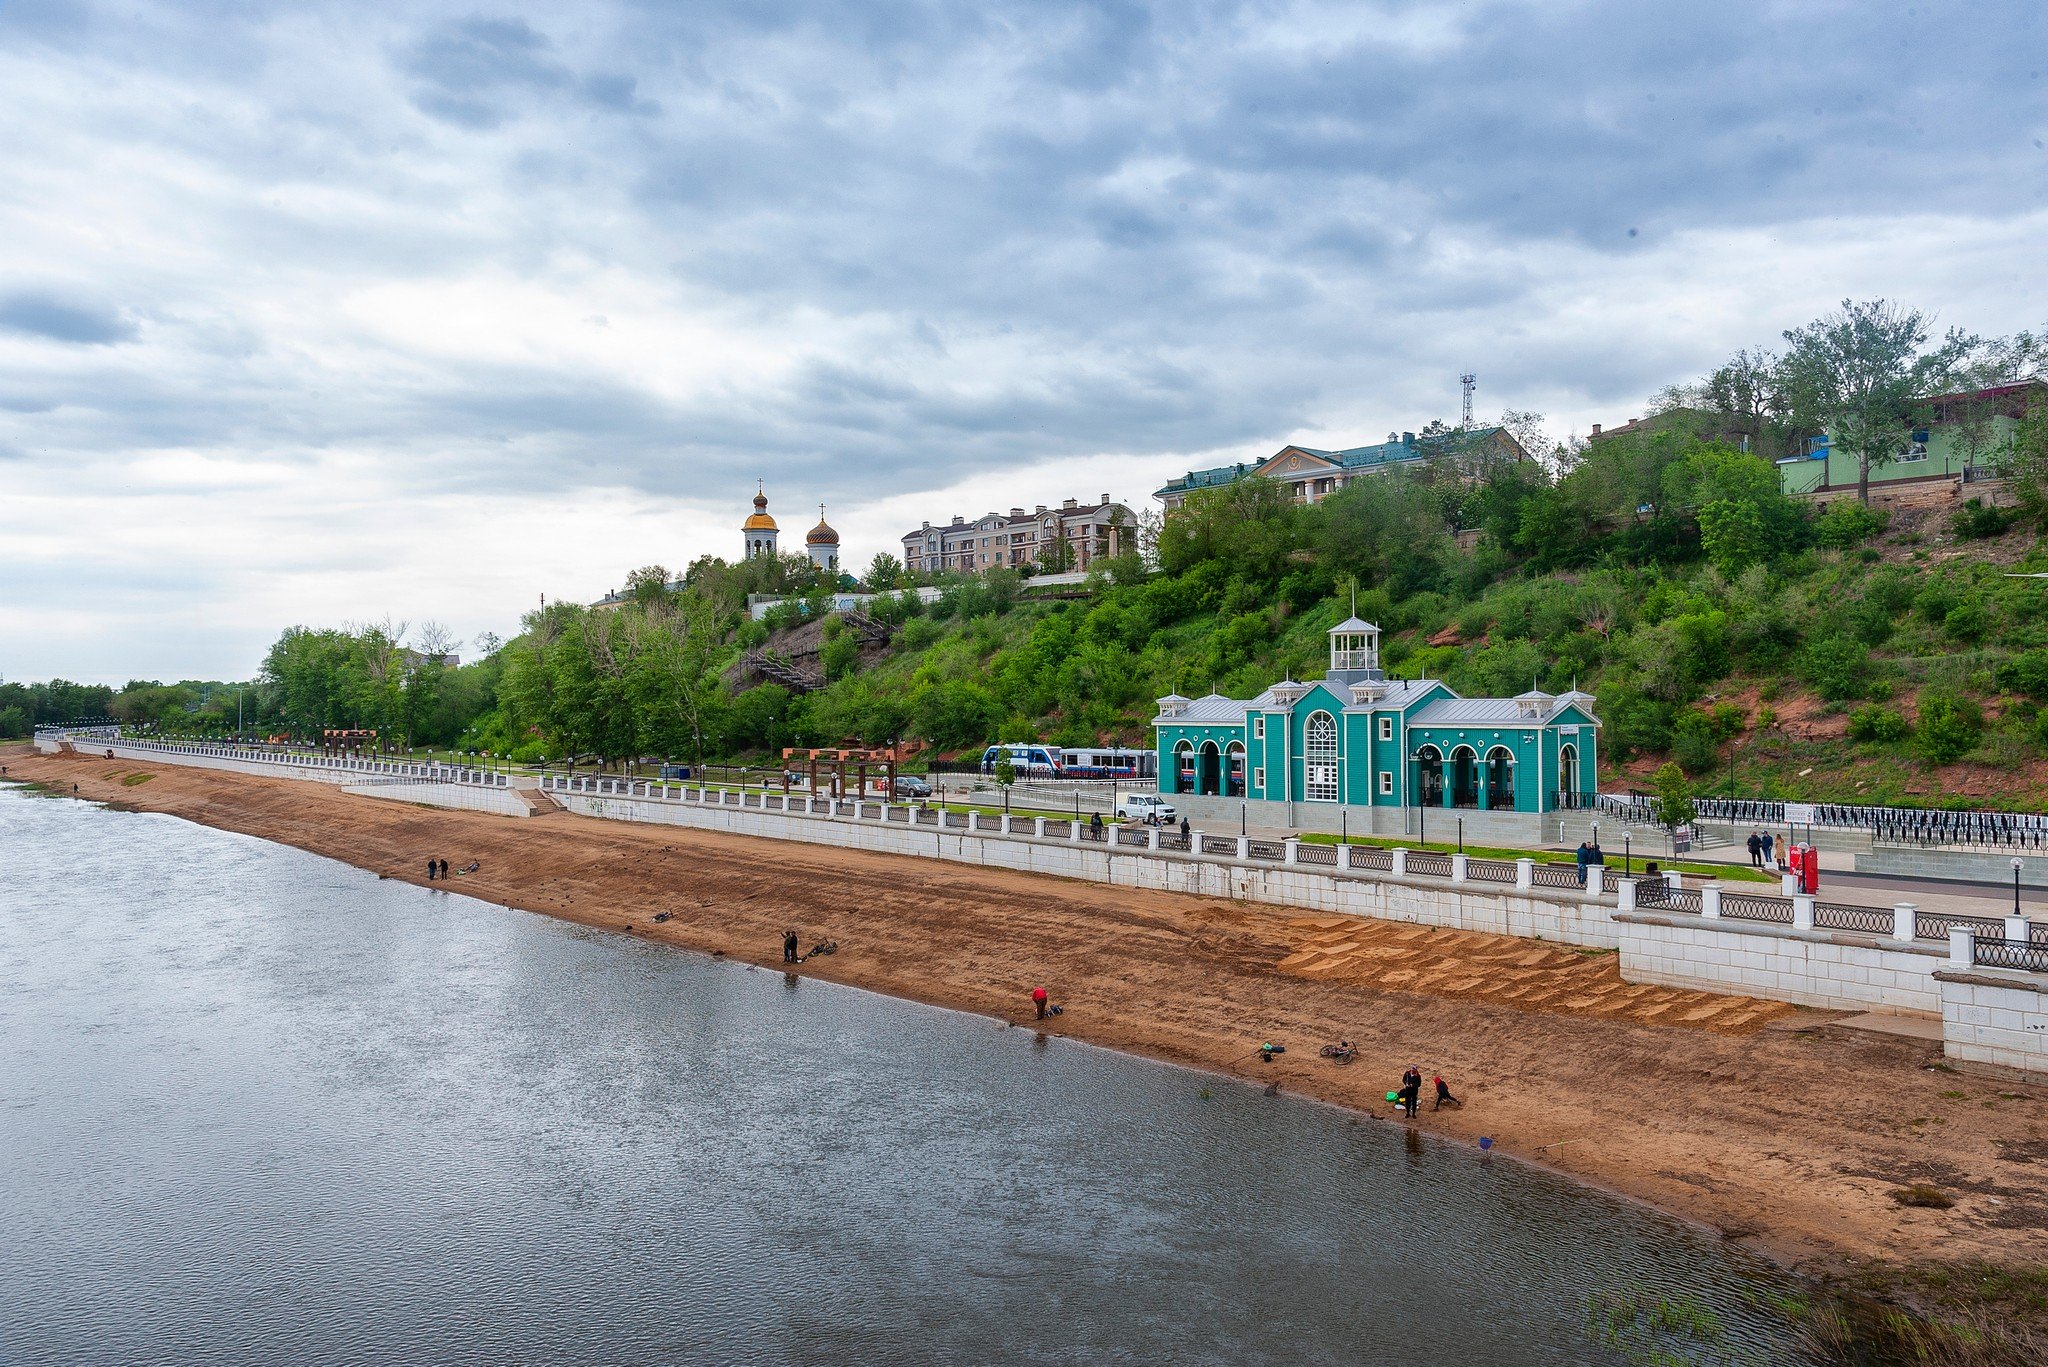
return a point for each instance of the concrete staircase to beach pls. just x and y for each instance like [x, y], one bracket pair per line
[537, 802]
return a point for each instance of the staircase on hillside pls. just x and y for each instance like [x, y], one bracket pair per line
[775, 667]
[868, 628]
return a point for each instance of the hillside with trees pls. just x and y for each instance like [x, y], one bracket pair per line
[1841, 653]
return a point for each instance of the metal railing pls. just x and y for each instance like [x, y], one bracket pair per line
[1556, 876]
[1841, 916]
[1429, 865]
[1363, 857]
[1745, 906]
[2025, 955]
[1266, 849]
[1316, 854]
[1934, 925]
[1653, 891]
[1489, 871]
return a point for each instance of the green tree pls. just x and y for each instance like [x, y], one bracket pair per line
[1006, 771]
[1863, 374]
[1673, 797]
[1949, 727]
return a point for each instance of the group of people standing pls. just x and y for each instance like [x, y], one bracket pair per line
[1589, 853]
[1763, 850]
[1410, 1094]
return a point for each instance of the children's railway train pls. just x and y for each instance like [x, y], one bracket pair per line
[1051, 761]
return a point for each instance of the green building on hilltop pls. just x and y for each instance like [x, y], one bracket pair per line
[1360, 751]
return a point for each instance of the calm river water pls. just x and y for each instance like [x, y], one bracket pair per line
[257, 1106]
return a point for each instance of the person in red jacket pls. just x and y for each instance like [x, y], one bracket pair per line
[1038, 999]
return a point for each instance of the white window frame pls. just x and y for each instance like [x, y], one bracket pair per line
[1321, 770]
[1386, 783]
[1259, 778]
[1386, 728]
[1259, 730]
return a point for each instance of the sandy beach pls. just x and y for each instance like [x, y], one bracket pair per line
[1768, 1123]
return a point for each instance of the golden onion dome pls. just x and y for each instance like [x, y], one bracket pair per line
[822, 534]
[760, 521]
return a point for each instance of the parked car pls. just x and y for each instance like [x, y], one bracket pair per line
[1147, 807]
[671, 772]
[910, 785]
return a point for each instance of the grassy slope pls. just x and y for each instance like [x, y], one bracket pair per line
[1894, 596]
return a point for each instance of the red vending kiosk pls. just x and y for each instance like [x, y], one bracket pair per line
[1803, 863]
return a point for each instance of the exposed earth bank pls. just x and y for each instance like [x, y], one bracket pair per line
[1764, 1122]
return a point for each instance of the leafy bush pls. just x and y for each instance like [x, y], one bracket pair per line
[1838, 668]
[1949, 728]
[2026, 673]
[1848, 524]
[1693, 743]
[919, 633]
[1967, 621]
[1976, 522]
[1871, 722]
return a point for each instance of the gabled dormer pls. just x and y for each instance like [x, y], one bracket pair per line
[1172, 705]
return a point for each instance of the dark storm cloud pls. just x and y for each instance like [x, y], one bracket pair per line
[40, 313]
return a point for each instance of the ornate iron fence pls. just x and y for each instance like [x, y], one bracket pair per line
[1842, 916]
[1489, 871]
[1745, 907]
[1306, 853]
[1430, 865]
[2026, 956]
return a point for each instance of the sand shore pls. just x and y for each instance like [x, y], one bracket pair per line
[1766, 1123]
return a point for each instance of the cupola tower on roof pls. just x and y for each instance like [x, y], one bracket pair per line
[759, 529]
[1354, 651]
[821, 543]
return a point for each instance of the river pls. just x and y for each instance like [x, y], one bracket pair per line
[260, 1106]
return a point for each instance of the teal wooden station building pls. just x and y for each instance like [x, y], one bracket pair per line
[1362, 750]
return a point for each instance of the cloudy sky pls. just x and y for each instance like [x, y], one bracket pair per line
[330, 312]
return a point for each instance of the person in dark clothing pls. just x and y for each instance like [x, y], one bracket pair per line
[444, 868]
[789, 947]
[1756, 850]
[1411, 1090]
[1095, 825]
[1582, 857]
[431, 866]
[1184, 829]
[1443, 1094]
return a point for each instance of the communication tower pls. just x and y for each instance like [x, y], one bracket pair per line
[1470, 382]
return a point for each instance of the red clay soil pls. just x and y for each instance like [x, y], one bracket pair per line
[1762, 1121]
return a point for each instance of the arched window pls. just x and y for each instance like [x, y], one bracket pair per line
[1183, 768]
[1464, 777]
[1429, 776]
[1319, 756]
[1209, 770]
[1500, 779]
[1568, 768]
[1233, 770]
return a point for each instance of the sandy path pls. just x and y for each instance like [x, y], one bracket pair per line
[1752, 1117]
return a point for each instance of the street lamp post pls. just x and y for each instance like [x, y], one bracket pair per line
[2015, 885]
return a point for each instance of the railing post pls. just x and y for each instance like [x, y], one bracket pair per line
[1596, 882]
[1038, 827]
[1152, 839]
[1457, 868]
[1710, 900]
[1290, 850]
[1624, 891]
[1400, 869]
[1006, 823]
[1244, 849]
[1905, 921]
[1674, 880]
[1802, 912]
[1079, 831]
[1525, 874]
[2017, 930]
[1788, 884]
[1962, 946]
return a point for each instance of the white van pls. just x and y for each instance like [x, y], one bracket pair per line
[1145, 807]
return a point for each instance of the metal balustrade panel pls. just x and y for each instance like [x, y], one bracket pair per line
[1382, 860]
[1324, 855]
[1555, 876]
[1489, 871]
[1059, 828]
[1430, 865]
[1934, 925]
[1845, 916]
[1219, 844]
[1744, 907]
[2021, 955]
[1267, 849]
[1133, 835]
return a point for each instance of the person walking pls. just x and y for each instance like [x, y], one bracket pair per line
[1582, 857]
[1770, 852]
[789, 947]
[431, 866]
[1756, 850]
[444, 870]
[1038, 1000]
[1443, 1094]
[1411, 1090]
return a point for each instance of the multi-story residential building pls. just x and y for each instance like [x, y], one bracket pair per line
[1070, 537]
[1312, 474]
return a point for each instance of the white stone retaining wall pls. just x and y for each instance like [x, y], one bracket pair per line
[1555, 915]
[1995, 1019]
[1828, 969]
[462, 797]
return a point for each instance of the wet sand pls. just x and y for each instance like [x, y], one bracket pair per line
[1760, 1120]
